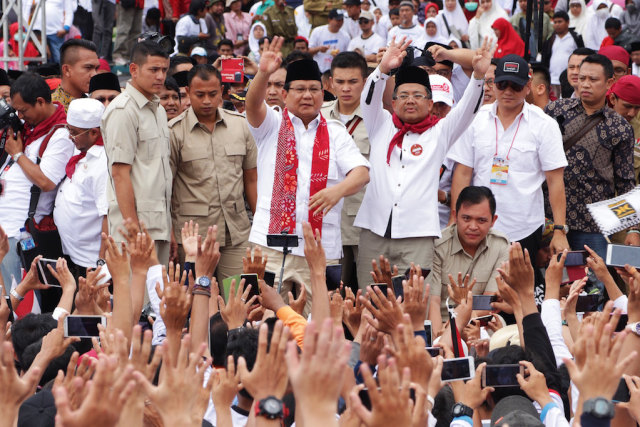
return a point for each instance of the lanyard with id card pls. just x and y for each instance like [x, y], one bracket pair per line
[500, 166]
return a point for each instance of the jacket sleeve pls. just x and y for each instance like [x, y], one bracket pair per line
[539, 347]
[296, 323]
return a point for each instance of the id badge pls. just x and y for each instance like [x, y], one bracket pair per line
[499, 171]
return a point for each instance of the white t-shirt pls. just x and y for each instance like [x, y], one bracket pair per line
[80, 205]
[14, 201]
[416, 33]
[321, 36]
[532, 144]
[351, 27]
[367, 46]
[560, 52]
[186, 27]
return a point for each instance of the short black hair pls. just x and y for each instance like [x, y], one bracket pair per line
[243, 342]
[31, 86]
[474, 195]
[29, 330]
[142, 50]
[204, 71]
[543, 72]
[582, 51]
[606, 63]
[395, 11]
[613, 23]
[350, 60]
[153, 14]
[177, 60]
[59, 363]
[218, 331]
[72, 45]
[296, 55]
[196, 6]
[225, 42]
[171, 84]
[562, 15]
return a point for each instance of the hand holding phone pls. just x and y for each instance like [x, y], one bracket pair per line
[251, 279]
[461, 368]
[501, 375]
[44, 274]
[483, 302]
[575, 258]
[83, 326]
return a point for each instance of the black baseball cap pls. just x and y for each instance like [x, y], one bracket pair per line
[512, 68]
[635, 46]
[336, 14]
[352, 2]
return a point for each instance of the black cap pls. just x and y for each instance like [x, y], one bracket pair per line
[352, 2]
[304, 69]
[4, 78]
[38, 410]
[446, 46]
[424, 60]
[512, 68]
[336, 14]
[635, 46]
[181, 78]
[14, 74]
[102, 81]
[49, 69]
[413, 74]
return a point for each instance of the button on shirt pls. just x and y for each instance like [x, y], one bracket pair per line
[208, 185]
[537, 148]
[408, 186]
[135, 133]
[343, 157]
[14, 201]
[80, 205]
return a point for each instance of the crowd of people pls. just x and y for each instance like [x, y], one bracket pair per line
[321, 213]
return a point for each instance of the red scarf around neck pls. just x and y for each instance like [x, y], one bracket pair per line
[285, 181]
[31, 134]
[73, 161]
[403, 128]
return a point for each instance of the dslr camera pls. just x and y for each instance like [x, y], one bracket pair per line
[165, 42]
[8, 120]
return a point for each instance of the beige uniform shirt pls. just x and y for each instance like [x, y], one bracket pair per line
[450, 258]
[135, 132]
[350, 233]
[208, 185]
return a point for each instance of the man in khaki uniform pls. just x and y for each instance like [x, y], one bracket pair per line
[136, 137]
[348, 74]
[280, 21]
[319, 10]
[471, 247]
[214, 163]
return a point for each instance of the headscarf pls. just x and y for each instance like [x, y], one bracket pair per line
[581, 21]
[595, 31]
[254, 43]
[454, 19]
[454, 39]
[479, 28]
[509, 40]
[438, 38]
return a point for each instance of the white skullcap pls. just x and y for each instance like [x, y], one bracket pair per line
[85, 113]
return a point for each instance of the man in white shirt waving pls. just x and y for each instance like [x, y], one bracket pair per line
[399, 213]
[80, 211]
[306, 165]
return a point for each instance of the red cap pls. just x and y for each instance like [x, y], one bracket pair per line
[53, 83]
[627, 88]
[300, 38]
[615, 53]
[104, 65]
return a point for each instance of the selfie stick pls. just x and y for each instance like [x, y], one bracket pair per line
[285, 252]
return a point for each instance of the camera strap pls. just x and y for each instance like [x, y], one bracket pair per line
[35, 190]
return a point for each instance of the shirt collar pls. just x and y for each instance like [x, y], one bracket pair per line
[139, 98]
[335, 112]
[297, 122]
[95, 151]
[456, 245]
[525, 110]
[192, 119]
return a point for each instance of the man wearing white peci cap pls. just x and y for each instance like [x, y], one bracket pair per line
[80, 211]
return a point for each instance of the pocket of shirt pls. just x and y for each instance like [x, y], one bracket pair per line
[235, 155]
[148, 147]
[523, 157]
[197, 163]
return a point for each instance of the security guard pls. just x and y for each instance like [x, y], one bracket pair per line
[134, 128]
[214, 162]
[280, 21]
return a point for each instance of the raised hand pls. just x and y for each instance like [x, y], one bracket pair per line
[255, 264]
[298, 304]
[207, 254]
[189, 234]
[416, 300]
[271, 56]
[482, 59]
[460, 288]
[175, 299]
[14, 389]
[235, 311]
[383, 274]
[395, 53]
[387, 313]
[313, 250]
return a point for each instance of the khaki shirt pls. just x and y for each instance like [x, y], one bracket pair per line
[450, 258]
[281, 23]
[208, 185]
[135, 132]
[350, 233]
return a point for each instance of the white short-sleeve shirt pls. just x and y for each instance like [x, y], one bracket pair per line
[321, 36]
[537, 148]
[367, 46]
[344, 156]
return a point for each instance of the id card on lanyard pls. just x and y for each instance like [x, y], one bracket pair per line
[500, 166]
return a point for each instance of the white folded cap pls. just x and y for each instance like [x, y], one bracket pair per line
[85, 113]
[441, 89]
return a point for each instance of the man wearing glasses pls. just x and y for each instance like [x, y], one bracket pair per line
[368, 43]
[80, 211]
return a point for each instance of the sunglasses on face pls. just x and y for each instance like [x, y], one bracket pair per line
[363, 21]
[506, 84]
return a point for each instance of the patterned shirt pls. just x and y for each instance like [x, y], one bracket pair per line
[600, 163]
[62, 96]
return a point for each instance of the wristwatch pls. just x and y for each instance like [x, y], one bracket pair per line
[16, 156]
[16, 295]
[599, 408]
[100, 262]
[461, 410]
[272, 408]
[202, 286]
[563, 228]
[634, 328]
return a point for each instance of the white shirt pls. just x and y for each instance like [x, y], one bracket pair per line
[58, 13]
[635, 69]
[344, 155]
[80, 206]
[367, 46]
[187, 28]
[459, 81]
[321, 36]
[351, 27]
[415, 33]
[536, 149]
[14, 201]
[408, 186]
[560, 52]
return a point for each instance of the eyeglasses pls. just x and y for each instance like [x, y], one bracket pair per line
[103, 99]
[619, 71]
[363, 21]
[74, 136]
[301, 90]
[489, 83]
[506, 84]
[415, 96]
[443, 73]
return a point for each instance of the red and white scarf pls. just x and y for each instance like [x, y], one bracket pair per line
[285, 182]
[420, 127]
[73, 161]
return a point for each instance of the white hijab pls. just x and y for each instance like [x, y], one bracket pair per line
[254, 43]
[596, 29]
[581, 21]
[438, 38]
[479, 28]
[454, 19]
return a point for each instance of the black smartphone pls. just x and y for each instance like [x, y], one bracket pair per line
[269, 277]
[334, 276]
[501, 375]
[483, 302]
[622, 322]
[44, 275]
[435, 351]
[83, 326]
[382, 286]
[428, 332]
[462, 368]
[251, 279]
[7, 298]
[398, 290]
[366, 400]
[587, 303]
[622, 394]
[575, 258]
[280, 240]
[484, 320]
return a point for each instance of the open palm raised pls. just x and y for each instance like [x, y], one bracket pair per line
[271, 57]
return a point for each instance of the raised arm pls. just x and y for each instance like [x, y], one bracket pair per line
[270, 61]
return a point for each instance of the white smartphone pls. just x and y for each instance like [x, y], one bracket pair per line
[461, 368]
[428, 331]
[45, 275]
[83, 326]
[619, 255]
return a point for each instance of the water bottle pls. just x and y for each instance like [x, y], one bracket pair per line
[26, 240]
